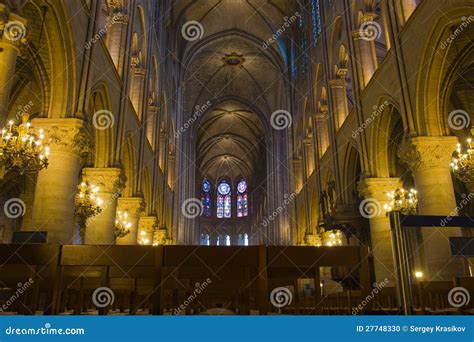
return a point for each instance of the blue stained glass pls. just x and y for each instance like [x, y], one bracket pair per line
[224, 200]
[316, 20]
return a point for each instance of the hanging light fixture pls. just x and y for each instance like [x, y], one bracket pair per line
[20, 149]
[122, 224]
[143, 240]
[402, 200]
[463, 162]
[88, 204]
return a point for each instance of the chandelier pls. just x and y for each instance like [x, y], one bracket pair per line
[463, 162]
[88, 204]
[332, 238]
[143, 240]
[21, 150]
[122, 224]
[402, 200]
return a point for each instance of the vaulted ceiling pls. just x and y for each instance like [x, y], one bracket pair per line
[230, 67]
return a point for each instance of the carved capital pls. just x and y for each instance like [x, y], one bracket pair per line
[160, 236]
[13, 29]
[65, 135]
[148, 224]
[377, 188]
[421, 153]
[109, 180]
[313, 240]
[133, 205]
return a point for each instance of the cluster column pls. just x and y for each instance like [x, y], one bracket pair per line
[100, 229]
[134, 206]
[147, 226]
[375, 190]
[12, 39]
[429, 160]
[56, 186]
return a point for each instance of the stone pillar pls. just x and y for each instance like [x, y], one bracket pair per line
[12, 39]
[429, 160]
[309, 154]
[116, 37]
[160, 236]
[134, 206]
[374, 191]
[100, 229]
[163, 142]
[56, 186]
[407, 7]
[365, 48]
[151, 125]
[147, 224]
[171, 171]
[339, 98]
[136, 89]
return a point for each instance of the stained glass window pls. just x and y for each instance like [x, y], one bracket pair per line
[243, 239]
[227, 240]
[206, 198]
[316, 20]
[224, 200]
[205, 241]
[242, 199]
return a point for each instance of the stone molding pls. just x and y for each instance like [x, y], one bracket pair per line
[421, 153]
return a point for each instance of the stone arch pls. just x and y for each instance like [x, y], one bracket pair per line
[129, 164]
[100, 108]
[444, 57]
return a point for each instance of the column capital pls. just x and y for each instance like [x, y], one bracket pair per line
[109, 180]
[422, 153]
[133, 205]
[160, 236]
[378, 188]
[148, 223]
[13, 28]
[65, 135]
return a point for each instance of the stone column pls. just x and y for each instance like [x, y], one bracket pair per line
[374, 191]
[407, 7]
[147, 224]
[365, 47]
[12, 38]
[134, 206]
[136, 89]
[339, 98]
[160, 236]
[56, 186]
[100, 229]
[116, 36]
[151, 125]
[429, 160]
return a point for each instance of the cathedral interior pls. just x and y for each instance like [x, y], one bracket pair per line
[251, 157]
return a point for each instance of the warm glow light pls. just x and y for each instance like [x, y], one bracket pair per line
[402, 200]
[20, 149]
[419, 274]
